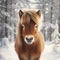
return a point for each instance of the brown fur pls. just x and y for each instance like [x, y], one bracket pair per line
[25, 51]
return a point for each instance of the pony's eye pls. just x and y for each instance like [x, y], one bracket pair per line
[36, 26]
[23, 27]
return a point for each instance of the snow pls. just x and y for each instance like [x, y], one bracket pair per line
[5, 13]
[48, 54]
[4, 43]
[8, 53]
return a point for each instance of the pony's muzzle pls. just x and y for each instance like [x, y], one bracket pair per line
[29, 39]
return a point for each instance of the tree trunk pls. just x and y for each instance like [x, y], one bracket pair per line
[6, 34]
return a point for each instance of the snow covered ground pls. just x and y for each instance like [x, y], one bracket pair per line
[48, 54]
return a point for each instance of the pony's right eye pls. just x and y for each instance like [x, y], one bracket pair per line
[36, 26]
[23, 27]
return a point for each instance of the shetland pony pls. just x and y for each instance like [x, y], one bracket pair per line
[29, 42]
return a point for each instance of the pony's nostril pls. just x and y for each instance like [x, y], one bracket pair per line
[27, 38]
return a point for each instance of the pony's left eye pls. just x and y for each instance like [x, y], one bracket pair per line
[23, 27]
[36, 26]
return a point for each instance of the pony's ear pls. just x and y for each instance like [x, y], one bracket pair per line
[38, 13]
[20, 13]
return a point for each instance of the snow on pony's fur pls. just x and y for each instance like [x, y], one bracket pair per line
[28, 25]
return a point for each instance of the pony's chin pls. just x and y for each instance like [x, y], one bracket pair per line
[29, 43]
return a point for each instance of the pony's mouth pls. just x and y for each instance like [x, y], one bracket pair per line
[29, 39]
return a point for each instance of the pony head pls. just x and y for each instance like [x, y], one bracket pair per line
[28, 25]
